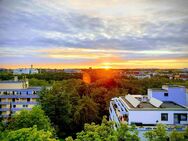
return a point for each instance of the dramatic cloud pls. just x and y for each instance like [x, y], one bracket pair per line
[91, 33]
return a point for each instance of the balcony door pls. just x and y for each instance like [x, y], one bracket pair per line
[180, 117]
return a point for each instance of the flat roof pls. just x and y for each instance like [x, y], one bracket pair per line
[11, 81]
[146, 105]
[168, 85]
[157, 89]
[26, 89]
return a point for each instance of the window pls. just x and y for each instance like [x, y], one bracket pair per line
[25, 105]
[183, 117]
[28, 99]
[164, 117]
[165, 94]
[13, 100]
[14, 106]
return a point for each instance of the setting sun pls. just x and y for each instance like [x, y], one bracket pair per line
[106, 67]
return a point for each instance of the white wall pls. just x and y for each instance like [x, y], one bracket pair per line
[175, 94]
[150, 117]
[187, 99]
[11, 85]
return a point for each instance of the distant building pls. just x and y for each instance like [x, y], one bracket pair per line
[167, 106]
[142, 76]
[25, 71]
[15, 96]
[72, 71]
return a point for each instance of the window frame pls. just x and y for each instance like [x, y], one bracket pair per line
[162, 116]
[165, 94]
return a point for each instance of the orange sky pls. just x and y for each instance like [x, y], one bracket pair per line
[94, 33]
[116, 64]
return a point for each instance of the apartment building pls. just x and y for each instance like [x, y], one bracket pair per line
[167, 105]
[25, 71]
[15, 96]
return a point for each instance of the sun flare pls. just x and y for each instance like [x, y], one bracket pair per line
[106, 67]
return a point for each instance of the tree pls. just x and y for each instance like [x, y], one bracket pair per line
[68, 107]
[158, 134]
[26, 119]
[105, 132]
[27, 134]
[57, 105]
[176, 136]
[86, 111]
[126, 133]
[37, 82]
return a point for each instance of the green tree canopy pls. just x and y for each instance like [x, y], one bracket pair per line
[105, 132]
[26, 119]
[27, 134]
[86, 111]
[158, 134]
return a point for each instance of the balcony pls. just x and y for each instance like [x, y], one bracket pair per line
[13, 109]
[4, 109]
[18, 109]
[4, 116]
[19, 96]
[20, 102]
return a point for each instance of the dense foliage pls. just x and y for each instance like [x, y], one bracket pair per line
[28, 126]
[26, 119]
[71, 103]
[105, 132]
[160, 134]
[27, 134]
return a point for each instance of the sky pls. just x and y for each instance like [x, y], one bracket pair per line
[94, 33]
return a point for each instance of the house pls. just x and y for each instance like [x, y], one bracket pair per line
[15, 96]
[166, 105]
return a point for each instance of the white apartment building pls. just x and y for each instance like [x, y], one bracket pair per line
[166, 106]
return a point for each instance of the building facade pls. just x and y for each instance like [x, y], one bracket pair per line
[25, 71]
[166, 106]
[15, 96]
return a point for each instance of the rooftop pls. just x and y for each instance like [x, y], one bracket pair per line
[173, 86]
[158, 89]
[12, 81]
[27, 89]
[146, 105]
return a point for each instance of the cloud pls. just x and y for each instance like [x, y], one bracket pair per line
[118, 29]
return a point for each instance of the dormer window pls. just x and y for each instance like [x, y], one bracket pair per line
[165, 94]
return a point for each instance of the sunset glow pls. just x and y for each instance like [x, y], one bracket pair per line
[98, 34]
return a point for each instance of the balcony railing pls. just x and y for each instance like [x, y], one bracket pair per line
[14, 109]
[4, 109]
[19, 102]
[18, 109]
[19, 96]
[4, 116]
